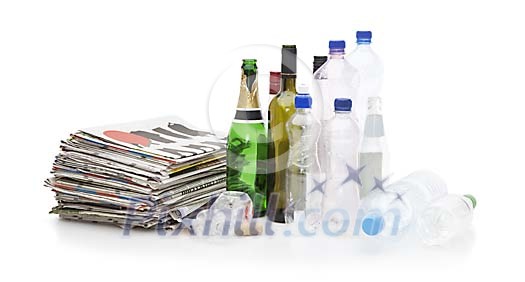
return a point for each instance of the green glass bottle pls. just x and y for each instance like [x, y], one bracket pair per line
[247, 144]
[280, 110]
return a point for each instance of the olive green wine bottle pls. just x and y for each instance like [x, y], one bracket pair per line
[280, 110]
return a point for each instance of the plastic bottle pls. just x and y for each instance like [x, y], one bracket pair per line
[446, 218]
[370, 68]
[335, 79]
[341, 196]
[303, 166]
[392, 210]
[373, 155]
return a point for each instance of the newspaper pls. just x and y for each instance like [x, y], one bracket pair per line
[137, 174]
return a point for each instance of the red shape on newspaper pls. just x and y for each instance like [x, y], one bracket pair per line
[128, 137]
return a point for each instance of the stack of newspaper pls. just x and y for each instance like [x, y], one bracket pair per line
[149, 173]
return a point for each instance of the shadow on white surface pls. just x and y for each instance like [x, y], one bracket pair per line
[147, 244]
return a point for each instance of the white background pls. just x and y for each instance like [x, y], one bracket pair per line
[453, 100]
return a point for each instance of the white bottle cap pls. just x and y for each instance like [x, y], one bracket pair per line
[302, 89]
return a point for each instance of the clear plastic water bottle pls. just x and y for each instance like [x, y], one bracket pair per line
[373, 155]
[445, 218]
[303, 166]
[341, 196]
[370, 68]
[335, 79]
[392, 210]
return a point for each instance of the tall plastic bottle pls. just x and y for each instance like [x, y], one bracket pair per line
[341, 195]
[445, 218]
[335, 79]
[390, 211]
[373, 155]
[303, 171]
[370, 68]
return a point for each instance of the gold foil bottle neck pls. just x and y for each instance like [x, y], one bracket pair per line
[249, 96]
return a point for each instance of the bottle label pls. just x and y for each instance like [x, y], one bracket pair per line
[250, 115]
[373, 169]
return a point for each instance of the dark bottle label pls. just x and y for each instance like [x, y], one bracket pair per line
[248, 114]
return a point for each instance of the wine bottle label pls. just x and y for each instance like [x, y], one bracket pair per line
[248, 116]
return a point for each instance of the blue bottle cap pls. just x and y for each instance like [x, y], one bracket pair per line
[364, 36]
[343, 104]
[337, 44]
[373, 225]
[303, 101]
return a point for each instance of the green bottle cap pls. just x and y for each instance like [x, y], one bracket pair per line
[472, 199]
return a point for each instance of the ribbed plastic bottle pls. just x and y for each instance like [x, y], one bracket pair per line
[446, 218]
[390, 211]
[303, 167]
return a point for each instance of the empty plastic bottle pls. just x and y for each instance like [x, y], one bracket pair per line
[370, 68]
[446, 218]
[335, 79]
[341, 195]
[392, 210]
[303, 167]
[373, 155]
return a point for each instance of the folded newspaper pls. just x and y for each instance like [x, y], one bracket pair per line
[148, 173]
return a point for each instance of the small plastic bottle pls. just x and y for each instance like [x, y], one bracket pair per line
[341, 196]
[303, 166]
[390, 211]
[445, 218]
